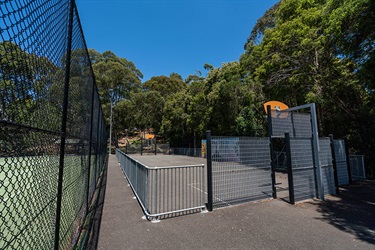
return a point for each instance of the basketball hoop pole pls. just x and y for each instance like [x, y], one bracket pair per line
[314, 126]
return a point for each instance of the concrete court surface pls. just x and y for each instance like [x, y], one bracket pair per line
[346, 221]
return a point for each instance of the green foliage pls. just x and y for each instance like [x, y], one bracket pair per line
[299, 51]
[223, 101]
[165, 85]
[117, 79]
[174, 123]
[29, 88]
[115, 75]
[319, 51]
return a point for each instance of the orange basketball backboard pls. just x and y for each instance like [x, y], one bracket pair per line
[276, 106]
[150, 136]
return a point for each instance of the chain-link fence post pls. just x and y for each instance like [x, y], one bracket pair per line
[64, 122]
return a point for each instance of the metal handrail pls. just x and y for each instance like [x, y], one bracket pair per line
[164, 190]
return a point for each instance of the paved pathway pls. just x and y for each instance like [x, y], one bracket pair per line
[343, 222]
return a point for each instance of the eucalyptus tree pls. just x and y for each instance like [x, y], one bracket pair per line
[165, 85]
[318, 51]
[116, 78]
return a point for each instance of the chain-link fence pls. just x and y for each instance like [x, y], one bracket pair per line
[52, 132]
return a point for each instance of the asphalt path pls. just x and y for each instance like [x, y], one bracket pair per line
[346, 221]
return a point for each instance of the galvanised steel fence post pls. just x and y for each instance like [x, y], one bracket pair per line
[316, 150]
[64, 122]
[269, 128]
[348, 162]
[289, 167]
[209, 171]
[334, 163]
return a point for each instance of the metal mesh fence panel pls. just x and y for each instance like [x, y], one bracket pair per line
[302, 168]
[52, 132]
[357, 167]
[241, 170]
[163, 148]
[292, 122]
[300, 123]
[193, 152]
[341, 162]
[325, 156]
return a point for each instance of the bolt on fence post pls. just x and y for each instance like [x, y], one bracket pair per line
[334, 163]
[289, 167]
[209, 171]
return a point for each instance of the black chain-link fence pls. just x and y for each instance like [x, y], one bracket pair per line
[52, 132]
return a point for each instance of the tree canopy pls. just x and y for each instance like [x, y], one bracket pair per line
[319, 51]
[299, 51]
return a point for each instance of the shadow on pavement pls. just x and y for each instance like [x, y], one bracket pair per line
[94, 237]
[90, 234]
[353, 210]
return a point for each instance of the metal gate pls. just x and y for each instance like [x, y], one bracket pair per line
[241, 170]
[301, 171]
[309, 159]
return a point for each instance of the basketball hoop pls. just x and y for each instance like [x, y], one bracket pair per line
[276, 108]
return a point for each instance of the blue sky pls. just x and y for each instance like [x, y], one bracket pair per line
[165, 36]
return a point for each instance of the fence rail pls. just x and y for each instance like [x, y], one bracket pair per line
[165, 191]
[52, 131]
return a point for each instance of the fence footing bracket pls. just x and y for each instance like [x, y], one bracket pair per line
[155, 220]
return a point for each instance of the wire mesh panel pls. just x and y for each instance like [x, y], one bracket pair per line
[302, 168]
[241, 170]
[325, 156]
[292, 122]
[148, 146]
[357, 167]
[301, 123]
[193, 152]
[52, 132]
[341, 162]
